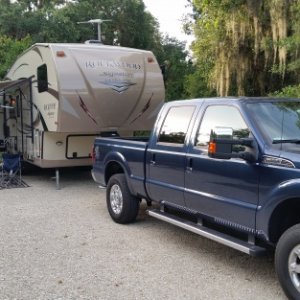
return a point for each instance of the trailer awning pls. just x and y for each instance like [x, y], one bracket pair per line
[10, 84]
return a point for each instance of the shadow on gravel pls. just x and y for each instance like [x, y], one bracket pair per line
[223, 258]
[67, 176]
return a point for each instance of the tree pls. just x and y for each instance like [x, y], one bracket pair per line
[197, 82]
[291, 91]
[250, 44]
[9, 50]
[56, 21]
[40, 4]
[176, 65]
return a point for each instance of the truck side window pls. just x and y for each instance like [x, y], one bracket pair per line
[175, 125]
[221, 116]
[42, 78]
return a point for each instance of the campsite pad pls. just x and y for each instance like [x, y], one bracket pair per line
[13, 183]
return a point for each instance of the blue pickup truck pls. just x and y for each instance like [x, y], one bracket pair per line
[224, 168]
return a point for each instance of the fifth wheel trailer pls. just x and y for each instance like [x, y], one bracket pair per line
[57, 97]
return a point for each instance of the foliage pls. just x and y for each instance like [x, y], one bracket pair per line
[196, 83]
[251, 46]
[56, 21]
[288, 91]
[9, 50]
[176, 66]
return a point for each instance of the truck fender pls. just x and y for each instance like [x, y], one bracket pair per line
[117, 157]
[283, 192]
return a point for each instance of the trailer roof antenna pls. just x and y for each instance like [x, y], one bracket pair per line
[98, 22]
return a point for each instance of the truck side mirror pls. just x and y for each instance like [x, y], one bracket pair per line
[221, 150]
[223, 146]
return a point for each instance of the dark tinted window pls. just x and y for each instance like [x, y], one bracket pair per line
[175, 125]
[42, 77]
[221, 116]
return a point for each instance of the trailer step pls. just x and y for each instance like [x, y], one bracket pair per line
[209, 233]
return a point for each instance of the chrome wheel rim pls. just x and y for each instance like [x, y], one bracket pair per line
[116, 199]
[294, 267]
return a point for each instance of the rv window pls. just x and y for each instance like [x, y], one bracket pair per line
[42, 77]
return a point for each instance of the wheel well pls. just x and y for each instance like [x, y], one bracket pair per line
[283, 217]
[111, 169]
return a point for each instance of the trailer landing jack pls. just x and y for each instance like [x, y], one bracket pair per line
[56, 177]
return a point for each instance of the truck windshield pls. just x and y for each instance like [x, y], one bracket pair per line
[280, 121]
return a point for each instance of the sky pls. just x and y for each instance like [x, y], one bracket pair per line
[169, 13]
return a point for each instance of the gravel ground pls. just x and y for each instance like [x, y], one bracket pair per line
[62, 244]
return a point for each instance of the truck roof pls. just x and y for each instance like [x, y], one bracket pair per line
[231, 100]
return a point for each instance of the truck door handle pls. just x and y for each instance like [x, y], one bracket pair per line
[189, 166]
[153, 160]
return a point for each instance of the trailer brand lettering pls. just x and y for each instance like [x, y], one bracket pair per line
[117, 74]
[90, 64]
[50, 110]
[113, 64]
[50, 114]
[50, 106]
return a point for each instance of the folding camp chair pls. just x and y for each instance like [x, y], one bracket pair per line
[11, 171]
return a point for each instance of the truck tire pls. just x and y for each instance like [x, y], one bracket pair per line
[122, 206]
[287, 262]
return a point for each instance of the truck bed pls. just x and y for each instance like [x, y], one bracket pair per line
[133, 151]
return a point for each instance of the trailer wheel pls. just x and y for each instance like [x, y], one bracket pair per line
[122, 206]
[287, 262]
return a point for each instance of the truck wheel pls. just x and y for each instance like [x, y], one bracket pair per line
[287, 262]
[122, 206]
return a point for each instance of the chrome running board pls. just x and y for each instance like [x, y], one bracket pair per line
[209, 233]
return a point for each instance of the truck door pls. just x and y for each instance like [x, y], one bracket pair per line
[225, 189]
[166, 155]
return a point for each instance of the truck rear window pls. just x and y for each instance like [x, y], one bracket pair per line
[175, 125]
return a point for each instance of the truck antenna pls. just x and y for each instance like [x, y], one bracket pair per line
[98, 22]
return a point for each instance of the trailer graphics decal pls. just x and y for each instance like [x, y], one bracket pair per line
[119, 87]
[37, 50]
[143, 110]
[118, 81]
[53, 92]
[20, 66]
[85, 109]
